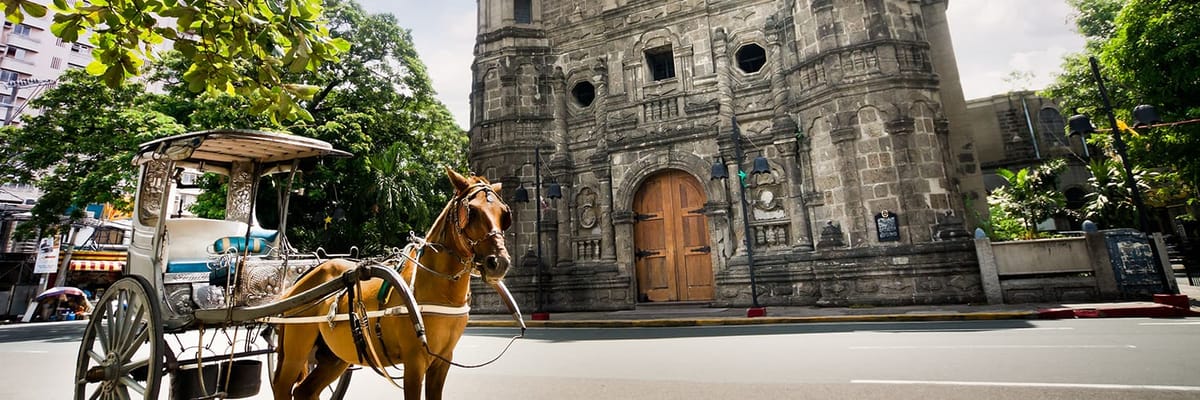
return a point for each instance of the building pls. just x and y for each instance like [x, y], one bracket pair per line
[1021, 130]
[854, 106]
[33, 59]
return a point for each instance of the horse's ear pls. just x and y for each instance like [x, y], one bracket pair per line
[496, 187]
[459, 181]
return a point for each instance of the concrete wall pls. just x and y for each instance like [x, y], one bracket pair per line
[1042, 256]
[1047, 270]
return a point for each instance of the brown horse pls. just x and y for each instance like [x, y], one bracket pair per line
[467, 238]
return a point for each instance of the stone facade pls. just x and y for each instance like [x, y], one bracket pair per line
[854, 104]
[1022, 130]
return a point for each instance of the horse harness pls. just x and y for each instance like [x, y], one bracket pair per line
[358, 316]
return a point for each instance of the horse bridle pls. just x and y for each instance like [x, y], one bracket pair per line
[460, 216]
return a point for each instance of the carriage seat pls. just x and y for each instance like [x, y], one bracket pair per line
[193, 244]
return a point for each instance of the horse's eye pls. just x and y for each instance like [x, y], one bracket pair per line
[491, 198]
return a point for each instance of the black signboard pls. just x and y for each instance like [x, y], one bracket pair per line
[888, 226]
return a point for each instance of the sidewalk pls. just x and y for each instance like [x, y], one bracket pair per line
[692, 315]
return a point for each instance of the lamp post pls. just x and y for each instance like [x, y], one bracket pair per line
[719, 172]
[1146, 115]
[553, 191]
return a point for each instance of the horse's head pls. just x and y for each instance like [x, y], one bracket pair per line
[481, 217]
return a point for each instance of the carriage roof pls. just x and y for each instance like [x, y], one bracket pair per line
[222, 147]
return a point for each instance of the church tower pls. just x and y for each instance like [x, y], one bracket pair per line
[847, 111]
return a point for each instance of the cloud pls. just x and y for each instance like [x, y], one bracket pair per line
[993, 38]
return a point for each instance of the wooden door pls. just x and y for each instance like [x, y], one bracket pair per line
[671, 242]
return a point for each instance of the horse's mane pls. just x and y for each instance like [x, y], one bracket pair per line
[437, 231]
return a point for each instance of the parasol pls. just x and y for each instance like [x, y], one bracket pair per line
[67, 290]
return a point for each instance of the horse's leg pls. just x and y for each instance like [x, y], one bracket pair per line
[329, 368]
[435, 378]
[294, 349]
[414, 376]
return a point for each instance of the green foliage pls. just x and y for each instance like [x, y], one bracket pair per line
[1002, 225]
[1148, 55]
[80, 149]
[1030, 195]
[245, 47]
[377, 103]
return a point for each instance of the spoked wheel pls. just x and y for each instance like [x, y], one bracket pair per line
[121, 355]
[335, 390]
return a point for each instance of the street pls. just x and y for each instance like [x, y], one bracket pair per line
[1009, 359]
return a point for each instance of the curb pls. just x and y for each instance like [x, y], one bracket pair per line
[688, 322]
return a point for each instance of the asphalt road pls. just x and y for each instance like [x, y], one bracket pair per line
[1076, 359]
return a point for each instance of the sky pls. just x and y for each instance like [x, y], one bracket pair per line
[992, 39]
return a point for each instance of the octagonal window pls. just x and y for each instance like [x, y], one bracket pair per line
[751, 58]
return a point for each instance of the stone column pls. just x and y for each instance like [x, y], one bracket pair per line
[724, 87]
[916, 222]
[799, 229]
[561, 162]
[988, 272]
[843, 140]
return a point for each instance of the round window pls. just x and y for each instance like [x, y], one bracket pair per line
[751, 58]
[584, 93]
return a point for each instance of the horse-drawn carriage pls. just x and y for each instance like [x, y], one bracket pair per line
[246, 293]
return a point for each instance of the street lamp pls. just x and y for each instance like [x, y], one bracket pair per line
[1145, 116]
[718, 172]
[553, 191]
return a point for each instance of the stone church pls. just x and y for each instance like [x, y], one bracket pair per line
[860, 180]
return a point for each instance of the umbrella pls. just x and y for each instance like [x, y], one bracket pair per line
[67, 290]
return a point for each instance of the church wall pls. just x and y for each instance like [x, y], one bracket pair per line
[845, 104]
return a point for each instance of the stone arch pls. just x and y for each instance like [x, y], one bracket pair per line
[526, 81]
[870, 121]
[658, 161]
[924, 114]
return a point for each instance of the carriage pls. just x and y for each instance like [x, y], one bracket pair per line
[200, 296]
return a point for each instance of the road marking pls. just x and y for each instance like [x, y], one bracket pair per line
[997, 346]
[969, 330]
[26, 351]
[1169, 323]
[1034, 385]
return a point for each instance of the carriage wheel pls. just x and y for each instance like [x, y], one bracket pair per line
[121, 354]
[335, 390]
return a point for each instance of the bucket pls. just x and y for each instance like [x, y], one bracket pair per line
[185, 382]
[245, 378]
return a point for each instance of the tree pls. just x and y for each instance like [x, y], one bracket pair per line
[80, 149]
[378, 104]
[243, 47]
[1030, 195]
[1110, 204]
[1147, 55]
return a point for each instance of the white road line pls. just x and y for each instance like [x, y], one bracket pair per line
[1169, 323]
[26, 351]
[967, 330]
[1034, 385]
[997, 346]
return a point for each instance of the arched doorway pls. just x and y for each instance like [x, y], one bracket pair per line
[671, 239]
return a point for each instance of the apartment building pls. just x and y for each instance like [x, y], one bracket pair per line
[33, 58]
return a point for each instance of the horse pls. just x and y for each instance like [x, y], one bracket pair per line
[467, 238]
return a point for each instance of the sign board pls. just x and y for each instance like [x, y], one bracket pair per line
[887, 226]
[47, 257]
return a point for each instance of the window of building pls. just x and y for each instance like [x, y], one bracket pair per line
[22, 30]
[523, 11]
[750, 58]
[81, 48]
[110, 236]
[584, 93]
[56, 63]
[661, 61]
[7, 76]
[16, 52]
